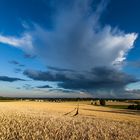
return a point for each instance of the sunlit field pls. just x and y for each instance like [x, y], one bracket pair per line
[26, 120]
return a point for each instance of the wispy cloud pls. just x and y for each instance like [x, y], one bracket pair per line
[29, 56]
[17, 70]
[10, 79]
[44, 86]
[14, 62]
[27, 87]
[24, 42]
[59, 69]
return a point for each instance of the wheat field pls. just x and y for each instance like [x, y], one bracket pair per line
[51, 121]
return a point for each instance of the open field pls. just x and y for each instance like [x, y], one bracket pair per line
[22, 120]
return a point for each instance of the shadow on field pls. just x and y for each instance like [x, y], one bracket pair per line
[129, 112]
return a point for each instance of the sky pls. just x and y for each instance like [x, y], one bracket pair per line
[52, 48]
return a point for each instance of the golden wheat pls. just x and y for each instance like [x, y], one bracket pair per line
[35, 121]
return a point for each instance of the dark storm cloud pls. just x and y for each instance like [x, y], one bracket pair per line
[60, 69]
[137, 91]
[63, 90]
[98, 78]
[132, 94]
[44, 86]
[45, 76]
[10, 79]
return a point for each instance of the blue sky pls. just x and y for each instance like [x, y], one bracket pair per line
[52, 48]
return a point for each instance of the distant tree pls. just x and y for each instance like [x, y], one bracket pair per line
[135, 107]
[95, 103]
[91, 102]
[102, 102]
[137, 102]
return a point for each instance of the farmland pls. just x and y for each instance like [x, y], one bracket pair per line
[30, 120]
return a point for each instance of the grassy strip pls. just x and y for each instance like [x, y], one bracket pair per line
[118, 106]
